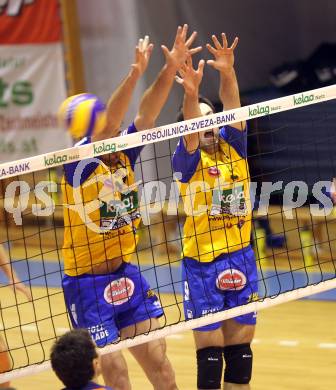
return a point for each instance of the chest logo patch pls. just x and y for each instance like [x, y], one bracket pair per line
[119, 291]
[231, 280]
[214, 171]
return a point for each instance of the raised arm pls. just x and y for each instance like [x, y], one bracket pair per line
[333, 191]
[119, 101]
[156, 95]
[190, 79]
[11, 275]
[224, 62]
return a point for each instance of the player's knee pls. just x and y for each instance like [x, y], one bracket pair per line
[238, 363]
[209, 367]
[160, 366]
[114, 370]
[167, 375]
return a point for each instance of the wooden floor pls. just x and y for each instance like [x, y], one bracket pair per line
[294, 348]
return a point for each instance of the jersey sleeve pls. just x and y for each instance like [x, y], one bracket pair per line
[132, 153]
[89, 167]
[91, 164]
[235, 138]
[184, 162]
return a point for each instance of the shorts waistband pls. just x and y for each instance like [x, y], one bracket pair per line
[87, 275]
[222, 256]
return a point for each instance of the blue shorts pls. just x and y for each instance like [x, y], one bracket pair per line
[106, 303]
[230, 280]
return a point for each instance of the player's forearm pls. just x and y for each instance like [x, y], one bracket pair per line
[229, 94]
[155, 98]
[6, 266]
[119, 101]
[191, 110]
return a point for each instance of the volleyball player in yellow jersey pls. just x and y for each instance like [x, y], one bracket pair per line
[103, 292]
[219, 268]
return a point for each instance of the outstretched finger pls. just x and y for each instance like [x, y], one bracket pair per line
[184, 32]
[195, 50]
[165, 50]
[182, 71]
[216, 42]
[201, 66]
[149, 50]
[191, 39]
[178, 33]
[211, 49]
[189, 61]
[137, 54]
[211, 63]
[234, 44]
[140, 44]
[224, 39]
[145, 43]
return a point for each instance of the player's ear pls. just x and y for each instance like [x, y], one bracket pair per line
[96, 366]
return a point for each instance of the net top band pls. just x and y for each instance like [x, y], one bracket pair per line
[174, 130]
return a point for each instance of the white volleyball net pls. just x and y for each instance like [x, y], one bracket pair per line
[291, 144]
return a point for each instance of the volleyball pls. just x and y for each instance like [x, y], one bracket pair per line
[82, 115]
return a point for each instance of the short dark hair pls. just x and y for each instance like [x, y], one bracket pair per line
[201, 99]
[72, 358]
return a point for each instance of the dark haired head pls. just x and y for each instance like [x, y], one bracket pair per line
[201, 99]
[72, 358]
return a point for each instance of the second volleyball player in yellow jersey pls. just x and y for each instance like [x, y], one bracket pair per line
[218, 267]
[103, 291]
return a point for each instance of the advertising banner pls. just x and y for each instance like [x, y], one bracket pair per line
[32, 80]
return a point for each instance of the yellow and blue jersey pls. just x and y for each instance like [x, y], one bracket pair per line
[100, 211]
[215, 190]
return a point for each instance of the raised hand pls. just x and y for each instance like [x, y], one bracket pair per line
[180, 51]
[190, 78]
[143, 53]
[223, 54]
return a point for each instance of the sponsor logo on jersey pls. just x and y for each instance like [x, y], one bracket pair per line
[231, 279]
[229, 201]
[119, 291]
[214, 171]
